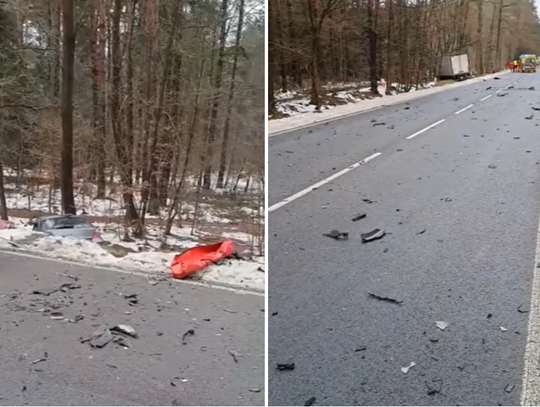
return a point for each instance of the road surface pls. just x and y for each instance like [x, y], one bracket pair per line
[156, 369]
[454, 180]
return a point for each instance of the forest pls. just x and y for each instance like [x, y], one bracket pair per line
[151, 104]
[313, 43]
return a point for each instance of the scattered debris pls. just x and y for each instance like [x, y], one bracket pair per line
[434, 389]
[522, 310]
[379, 124]
[310, 401]
[489, 87]
[503, 328]
[529, 117]
[230, 311]
[336, 234]
[441, 325]
[253, 390]
[373, 235]
[43, 359]
[368, 201]
[359, 217]
[120, 340]
[125, 329]
[496, 78]
[387, 299]
[466, 135]
[360, 349]
[101, 337]
[511, 87]
[502, 94]
[517, 138]
[285, 366]
[405, 369]
[531, 88]
[76, 278]
[235, 355]
[509, 388]
[492, 166]
[489, 316]
[56, 315]
[189, 332]
[536, 108]
[446, 199]
[421, 232]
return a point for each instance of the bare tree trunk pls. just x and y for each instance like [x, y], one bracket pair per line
[68, 201]
[225, 144]
[3, 203]
[372, 41]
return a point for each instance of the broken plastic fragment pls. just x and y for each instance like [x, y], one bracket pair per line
[387, 299]
[373, 235]
[189, 332]
[101, 337]
[336, 234]
[359, 216]
[503, 328]
[285, 366]
[405, 369]
[509, 388]
[57, 315]
[125, 329]
[441, 325]
[310, 401]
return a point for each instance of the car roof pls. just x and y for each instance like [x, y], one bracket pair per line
[61, 217]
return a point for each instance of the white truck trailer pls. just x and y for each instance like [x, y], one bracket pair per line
[455, 67]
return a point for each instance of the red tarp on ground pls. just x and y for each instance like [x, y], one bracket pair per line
[193, 260]
[4, 224]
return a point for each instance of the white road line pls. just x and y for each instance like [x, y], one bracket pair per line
[425, 129]
[321, 183]
[485, 98]
[530, 391]
[465, 108]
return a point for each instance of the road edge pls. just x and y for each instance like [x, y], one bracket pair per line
[530, 390]
[215, 285]
[434, 91]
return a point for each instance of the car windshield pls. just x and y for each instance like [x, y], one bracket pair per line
[65, 223]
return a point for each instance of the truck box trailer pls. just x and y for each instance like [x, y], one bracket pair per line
[454, 67]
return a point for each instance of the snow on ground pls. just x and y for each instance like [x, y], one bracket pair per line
[238, 273]
[303, 115]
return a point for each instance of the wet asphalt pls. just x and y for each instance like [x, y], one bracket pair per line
[46, 361]
[460, 205]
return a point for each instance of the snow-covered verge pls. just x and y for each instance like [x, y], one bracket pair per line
[298, 113]
[147, 259]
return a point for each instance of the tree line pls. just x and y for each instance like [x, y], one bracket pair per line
[151, 97]
[312, 42]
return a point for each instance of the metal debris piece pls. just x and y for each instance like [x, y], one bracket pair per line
[375, 234]
[43, 359]
[359, 217]
[285, 366]
[360, 349]
[509, 388]
[405, 369]
[56, 315]
[387, 299]
[379, 124]
[337, 235]
[230, 311]
[503, 328]
[189, 332]
[368, 201]
[125, 329]
[45, 292]
[529, 117]
[255, 390]
[421, 232]
[310, 401]
[120, 340]
[441, 325]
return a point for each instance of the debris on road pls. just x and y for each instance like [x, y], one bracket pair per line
[235, 355]
[421, 232]
[189, 332]
[200, 257]
[125, 329]
[56, 315]
[492, 166]
[405, 369]
[434, 389]
[531, 88]
[253, 390]
[76, 278]
[489, 87]
[373, 235]
[441, 325]
[379, 124]
[368, 201]
[285, 366]
[310, 401]
[359, 217]
[509, 388]
[502, 94]
[529, 117]
[503, 328]
[387, 299]
[360, 349]
[522, 310]
[536, 108]
[101, 337]
[337, 235]
[43, 359]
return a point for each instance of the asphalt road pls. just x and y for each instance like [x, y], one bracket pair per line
[156, 369]
[460, 203]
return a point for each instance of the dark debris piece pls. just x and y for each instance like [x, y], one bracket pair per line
[509, 388]
[379, 124]
[360, 349]
[101, 337]
[387, 299]
[502, 94]
[373, 235]
[496, 78]
[189, 332]
[536, 108]
[529, 117]
[359, 217]
[522, 310]
[531, 88]
[285, 366]
[435, 387]
[421, 232]
[368, 201]
[336, 234]
[310, 401]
